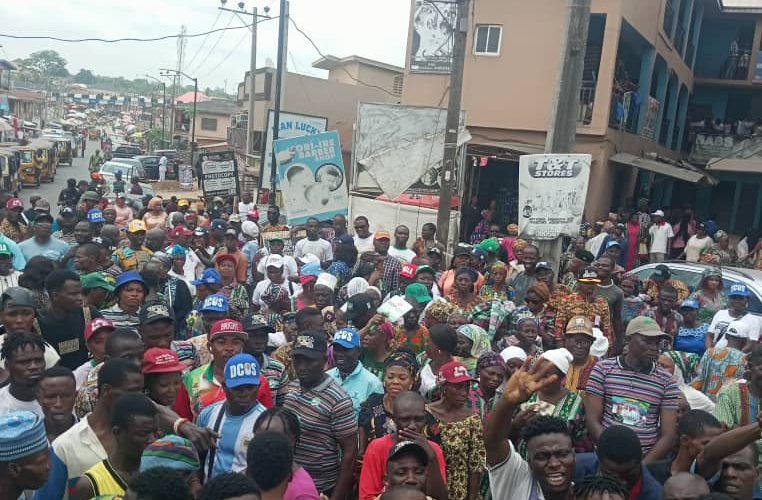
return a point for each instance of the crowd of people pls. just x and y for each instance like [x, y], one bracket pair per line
[191, 351]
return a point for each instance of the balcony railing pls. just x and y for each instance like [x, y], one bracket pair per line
[586, 101]
[669, 17]
[680, 38]
[624, 111]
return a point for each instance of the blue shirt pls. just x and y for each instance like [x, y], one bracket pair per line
[235, 434]
[358, 385]
[54, 249]
[691, 339]
[250, 249]
[19, 262]
[587, 465]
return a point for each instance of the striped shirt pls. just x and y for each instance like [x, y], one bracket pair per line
[633, 398]
[326, 415]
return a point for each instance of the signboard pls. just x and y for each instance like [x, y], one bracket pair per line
[433, 36]
[185, 176]
[311, 176]
[653, 106]
[219, 174]
[291, 125]
[758, 69]
[552, 192]
[708, 146]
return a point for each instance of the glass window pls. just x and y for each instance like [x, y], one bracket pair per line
[209, 124]
[488, 39]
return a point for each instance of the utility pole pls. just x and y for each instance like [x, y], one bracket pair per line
[252, 89]
[450, 155]
[562, 129]
[282, 51]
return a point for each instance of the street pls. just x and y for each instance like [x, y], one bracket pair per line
[50, 190]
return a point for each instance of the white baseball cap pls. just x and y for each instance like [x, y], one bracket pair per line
[658, 213]
[274, 260]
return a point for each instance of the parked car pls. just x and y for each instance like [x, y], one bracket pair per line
[130, 168]
[150, 165]
[690, 274]
[126, 151]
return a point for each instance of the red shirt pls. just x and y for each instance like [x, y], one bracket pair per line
[374, 466]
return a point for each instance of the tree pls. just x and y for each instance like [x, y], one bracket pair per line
[85, 76]
[46, 63]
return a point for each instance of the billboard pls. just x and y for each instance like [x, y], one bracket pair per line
[291, 125]
[552, 192]
[433, 36]
[311, 177]
[219, 174]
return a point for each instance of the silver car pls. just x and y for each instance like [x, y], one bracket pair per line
[690, 274]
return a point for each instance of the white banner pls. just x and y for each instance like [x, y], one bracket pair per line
[291, 125]
[552, 193]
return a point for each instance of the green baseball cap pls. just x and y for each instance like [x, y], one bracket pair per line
[418, 292]
[490, 245]
[97, 280]
[5, 249]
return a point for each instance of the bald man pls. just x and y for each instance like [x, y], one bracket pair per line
[685, 486]
[155, 239]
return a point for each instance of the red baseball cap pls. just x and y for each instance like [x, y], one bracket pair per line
[408, 271]
[158, 360]
[14, 203]
[96, 325]
[180, 231]
[227, 327]
[454, 373]
[226, 256]
[253, 214]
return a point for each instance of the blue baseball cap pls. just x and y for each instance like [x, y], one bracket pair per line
[95, 216]
[346, 239]
[613, 243]
[241, 369]
[690, 304]
[215, 303]
[218, 225]
[210, 277]
[738, 290]
[348, 338]
[177, 251]
[310, 269]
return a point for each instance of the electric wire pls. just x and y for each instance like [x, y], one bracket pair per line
[118, 40]
[203, 42]
[211, 51]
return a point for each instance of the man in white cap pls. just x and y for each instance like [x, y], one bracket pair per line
[660, 235]
[632, 390]
[24, 459]
[314, 244]
[250, 234]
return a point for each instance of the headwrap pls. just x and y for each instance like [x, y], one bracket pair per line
[541, 289]
[488, 360]
[355, 286]
[440, 310]
[523, 318]
[402, 358]
[562, 358]
[686, 362]
[469, 271]
[154, 203]
[170, 451]
[513, 352]
[491, 315]
[711, 271]
[478, 337]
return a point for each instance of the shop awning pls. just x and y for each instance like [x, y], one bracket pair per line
[752, 165]
[663, 168]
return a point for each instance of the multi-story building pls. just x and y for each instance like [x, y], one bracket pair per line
[652, 68]
[212, 121]
[350, 80]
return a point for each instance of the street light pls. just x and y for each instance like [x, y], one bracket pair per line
[163, 106]
[195, 98]
[252, 67]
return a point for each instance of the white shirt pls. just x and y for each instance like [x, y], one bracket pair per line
[9, 281]
[694, 247]
[513, 479]
[405, 256]
[244, 208]
[51, 356]
[722, 319]
[594, 243]
[320, 247]
[660, 236]
[79, 448]
[191, 265]
[364, 244]
[163, 162]
[9, 403]
[256, 296]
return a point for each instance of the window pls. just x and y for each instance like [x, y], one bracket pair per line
[209, 124]
[488, 39]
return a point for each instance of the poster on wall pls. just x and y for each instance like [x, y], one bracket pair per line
[432, 36]
[311, 177]
[219, 174]
[291, 125]
[552, 193]
[652, 115]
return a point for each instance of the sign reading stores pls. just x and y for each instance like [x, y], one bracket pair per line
[552, 192]
[219, 174]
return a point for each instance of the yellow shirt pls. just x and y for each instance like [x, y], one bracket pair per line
[105, 480]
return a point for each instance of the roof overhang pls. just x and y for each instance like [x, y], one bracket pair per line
[687, 174]
[751, 165]
[740, 6]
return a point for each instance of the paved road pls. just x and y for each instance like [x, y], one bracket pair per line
[50, 190]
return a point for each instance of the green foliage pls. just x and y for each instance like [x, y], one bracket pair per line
[46, 63]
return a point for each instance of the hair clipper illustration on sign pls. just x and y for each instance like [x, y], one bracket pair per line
[552, 192]
[311, 175]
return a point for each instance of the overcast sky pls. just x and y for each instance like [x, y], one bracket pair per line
[377, 30]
